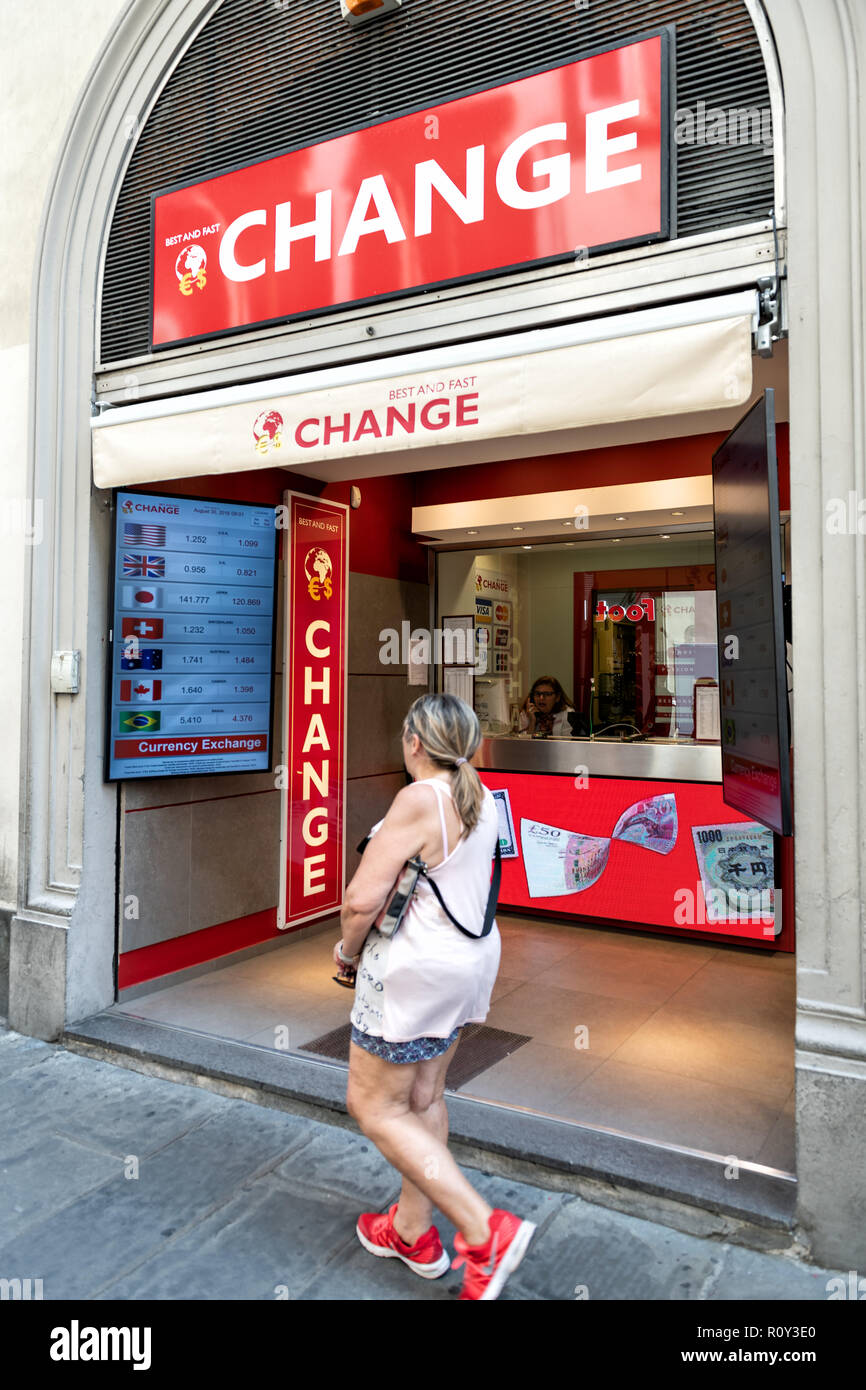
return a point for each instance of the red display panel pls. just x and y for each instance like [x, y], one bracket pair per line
[548, 166]
[702, 869]
[313, 809]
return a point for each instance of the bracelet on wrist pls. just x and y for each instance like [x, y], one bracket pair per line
[348, 959]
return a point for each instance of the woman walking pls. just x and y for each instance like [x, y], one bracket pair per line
[415, 991]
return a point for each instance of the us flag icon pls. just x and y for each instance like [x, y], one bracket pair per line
[149, 690]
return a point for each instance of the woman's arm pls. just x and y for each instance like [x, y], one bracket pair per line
[401, 835]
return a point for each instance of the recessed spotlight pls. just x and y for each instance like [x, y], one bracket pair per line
[614, 540]
[527, 547]
[677, 513]
[620, 518]
[566, 523]
[472, 533]
[664, 538]
[518, 528]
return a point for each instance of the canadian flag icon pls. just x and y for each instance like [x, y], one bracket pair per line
[148, 690]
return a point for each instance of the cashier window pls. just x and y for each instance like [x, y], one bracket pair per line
[651, 647]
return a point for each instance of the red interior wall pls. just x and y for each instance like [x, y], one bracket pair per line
[625, 463]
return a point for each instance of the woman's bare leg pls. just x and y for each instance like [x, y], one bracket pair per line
[414, 1214]
[379, 1099]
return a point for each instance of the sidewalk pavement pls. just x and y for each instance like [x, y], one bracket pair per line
[120, 1185]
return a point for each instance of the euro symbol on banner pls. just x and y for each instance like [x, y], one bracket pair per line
[184, 284]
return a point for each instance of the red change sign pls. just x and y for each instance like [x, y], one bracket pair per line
[545, 167]
[315, 672]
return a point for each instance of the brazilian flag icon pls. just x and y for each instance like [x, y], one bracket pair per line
[142, 721]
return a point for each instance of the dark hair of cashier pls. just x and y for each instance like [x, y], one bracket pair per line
[448, 729]
[562, 700]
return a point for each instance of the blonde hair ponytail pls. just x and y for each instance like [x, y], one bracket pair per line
[449, 732]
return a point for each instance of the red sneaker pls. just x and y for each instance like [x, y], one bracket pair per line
[489, 1265]
[426, 1257]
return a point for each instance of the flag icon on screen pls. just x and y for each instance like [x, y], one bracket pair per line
[147, 566]
[132, 597]
[143, 533]
[145, 722]
[141, 627]
[140, 690]
[151, 658]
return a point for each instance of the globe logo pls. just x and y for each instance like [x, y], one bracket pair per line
[318, 569]
[268, 430]
[190, 268]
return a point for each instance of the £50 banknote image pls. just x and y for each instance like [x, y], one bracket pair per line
[564, 861]
[560, 861]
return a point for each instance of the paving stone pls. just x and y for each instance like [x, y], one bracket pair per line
[17, 1052]
[45, 1176]
[104, 1233]
[749, 1276]
[344, 1163]
[107, 1107]
[269, 1241]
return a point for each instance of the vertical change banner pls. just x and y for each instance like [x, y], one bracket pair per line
[314, 684]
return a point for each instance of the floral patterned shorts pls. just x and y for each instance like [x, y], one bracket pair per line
[416, 1050]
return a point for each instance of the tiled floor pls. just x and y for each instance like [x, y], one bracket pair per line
[684, 1042]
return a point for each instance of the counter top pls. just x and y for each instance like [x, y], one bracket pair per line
[654, 759]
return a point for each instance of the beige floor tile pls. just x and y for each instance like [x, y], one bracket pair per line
[727, 1052]
[615, 972]
[739, 993]
[554, 1016]
[535, 1077]
[694, 1114]
[504, 985]
[302, 1025]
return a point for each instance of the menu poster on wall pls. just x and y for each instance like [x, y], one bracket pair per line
[192, 637]
[313, 794]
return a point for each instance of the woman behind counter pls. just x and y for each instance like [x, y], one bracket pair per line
[546, 709]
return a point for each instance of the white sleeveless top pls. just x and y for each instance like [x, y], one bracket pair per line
[429, 979]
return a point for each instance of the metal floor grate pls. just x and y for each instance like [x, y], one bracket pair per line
[479, 1049]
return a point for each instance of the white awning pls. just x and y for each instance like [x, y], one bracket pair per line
[677, 359]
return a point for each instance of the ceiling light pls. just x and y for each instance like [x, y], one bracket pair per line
[620, 518]
[677, 513]
[614, 540]
[357, 11]
[664, 538]
[527, 547]
[472, 533]
[518, 528]
[566, 523]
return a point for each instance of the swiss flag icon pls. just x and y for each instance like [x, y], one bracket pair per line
[148, 690]
[141, 627]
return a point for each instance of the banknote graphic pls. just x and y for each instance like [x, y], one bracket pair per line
[560, 861]
[652, 824]
[736, 868]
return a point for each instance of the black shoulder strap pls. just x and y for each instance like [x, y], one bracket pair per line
[492, 899]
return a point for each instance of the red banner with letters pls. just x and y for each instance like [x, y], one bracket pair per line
[546, 167]
[314, 680]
